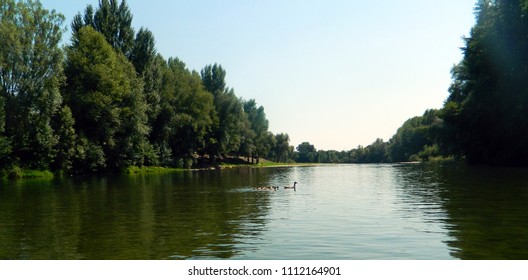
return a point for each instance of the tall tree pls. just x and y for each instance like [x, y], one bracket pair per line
[144, 50]
[486, 114]
[111, 19]
[5, 144]
[226, 136]
[377, 152]
[186, 117]
[149, 67]
[213, 78]
[63, 125]
[306, 152]
[282, 151]
[114, 21]
[105, 97]
[259, 124]
[30, 76]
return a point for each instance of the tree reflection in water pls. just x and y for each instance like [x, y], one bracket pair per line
[172, 216]
[483, 209]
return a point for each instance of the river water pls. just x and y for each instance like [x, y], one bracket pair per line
[344, 212]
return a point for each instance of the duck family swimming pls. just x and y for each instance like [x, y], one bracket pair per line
[272, 188]
[267, 188]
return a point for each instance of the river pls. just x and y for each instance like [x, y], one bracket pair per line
[343, 212]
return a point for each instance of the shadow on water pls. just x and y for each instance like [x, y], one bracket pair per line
[483, 209]
[209, 214]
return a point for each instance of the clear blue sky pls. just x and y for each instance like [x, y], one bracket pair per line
[335, 73]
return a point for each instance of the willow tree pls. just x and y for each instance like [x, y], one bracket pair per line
[282, 151]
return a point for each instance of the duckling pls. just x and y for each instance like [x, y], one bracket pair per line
[267, 188]
[294, 187]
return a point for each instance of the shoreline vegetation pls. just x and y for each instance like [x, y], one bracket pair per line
[17, 173]
[110, 103]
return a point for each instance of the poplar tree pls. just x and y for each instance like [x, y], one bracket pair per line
[262, 140]
[111, 19]
[226, 135]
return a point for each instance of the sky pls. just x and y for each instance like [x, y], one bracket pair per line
[335, 73]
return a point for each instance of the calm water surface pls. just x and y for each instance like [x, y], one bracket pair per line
[338, 212]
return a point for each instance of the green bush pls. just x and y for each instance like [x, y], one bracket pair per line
[15, 173]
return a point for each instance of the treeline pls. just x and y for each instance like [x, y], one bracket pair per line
[108, 100]
[416, 140]
[484, 120]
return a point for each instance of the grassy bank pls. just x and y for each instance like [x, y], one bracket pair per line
[441, 159]
[267, 164]
[19, 173]
[150, 170]
[16, 172]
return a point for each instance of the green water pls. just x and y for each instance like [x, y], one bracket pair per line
[337, 212]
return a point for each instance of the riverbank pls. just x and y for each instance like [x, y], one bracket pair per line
[222, 165]
[267, 164]
[17, 173]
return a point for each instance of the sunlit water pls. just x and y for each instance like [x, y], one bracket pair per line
[337, 212]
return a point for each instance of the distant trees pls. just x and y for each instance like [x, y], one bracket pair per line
[377, 152]
[306, 152]
[282, 151]
[416, 138]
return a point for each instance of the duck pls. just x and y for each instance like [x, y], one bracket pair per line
[294, 187]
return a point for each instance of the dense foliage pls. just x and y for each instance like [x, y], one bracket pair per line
[108, 100]
[30, 76]
[486, 112]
